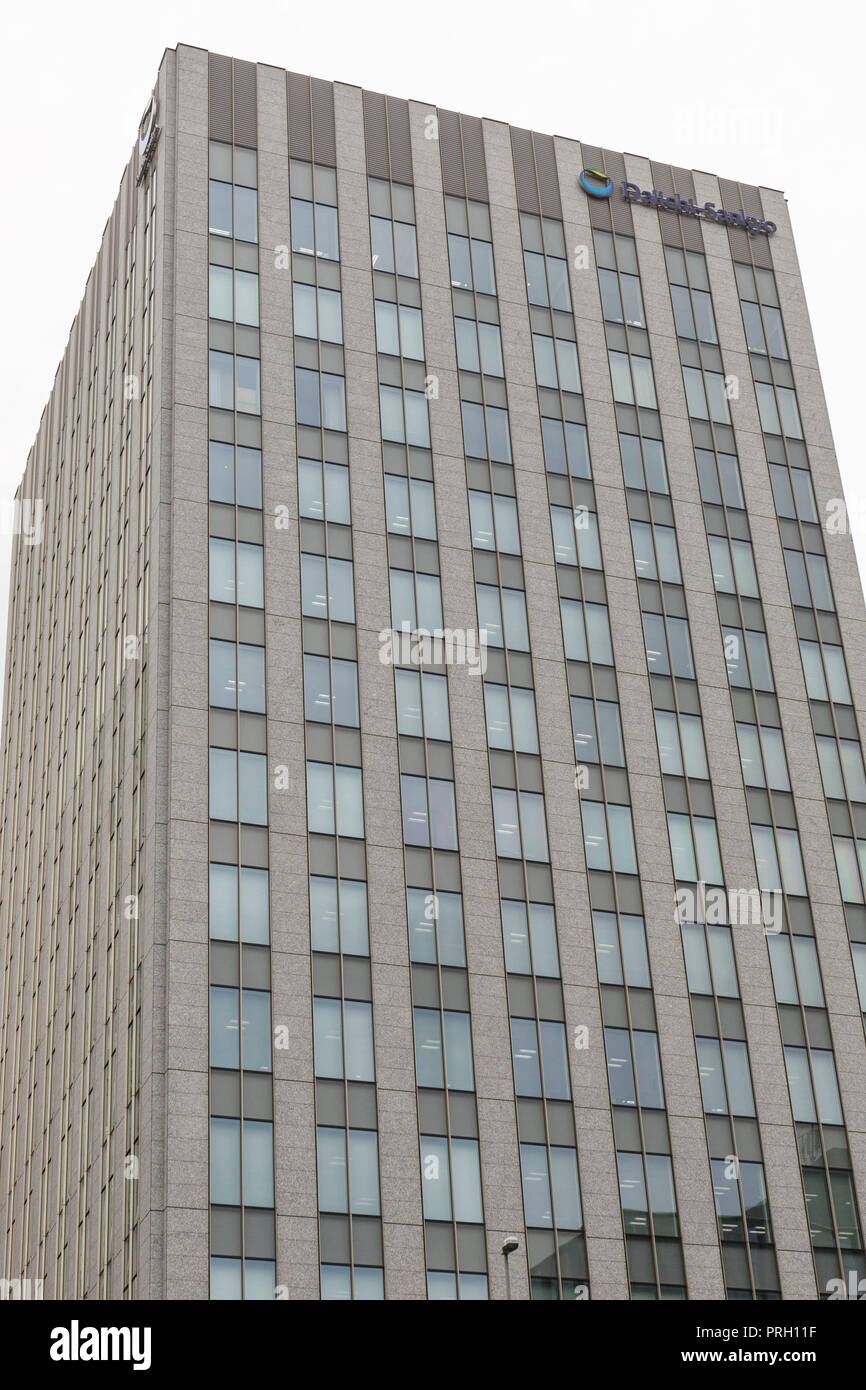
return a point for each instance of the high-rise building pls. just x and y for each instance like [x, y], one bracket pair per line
[337, 956]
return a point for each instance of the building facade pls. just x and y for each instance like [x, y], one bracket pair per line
[335, 956]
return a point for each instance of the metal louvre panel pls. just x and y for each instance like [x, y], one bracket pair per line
[300, 117]
[473, 158]
[399, 139]
[547, 176]
[376, 135]
[324, 132]
[245, 126]
[524, 170]
[219, 97]
[613, 164]
[451, 154]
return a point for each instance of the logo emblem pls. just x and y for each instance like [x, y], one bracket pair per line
[596, 183]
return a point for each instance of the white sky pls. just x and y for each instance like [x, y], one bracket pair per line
[765, 91]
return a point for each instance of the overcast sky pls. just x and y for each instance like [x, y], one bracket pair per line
[767, 92]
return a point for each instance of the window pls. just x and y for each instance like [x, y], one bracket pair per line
[502, 615]
[694, 848]
[233, 210]
[519, 825]
[742, 1207]
[565, 447]
[779, 861]
[233, 295]
[645, 1069]
[551, 1192]
[422, 705]
[818, 1103]
[236, 573]
[544, 259]
[823, 1203]
[404, 416]
[471, 261]
[510, 715]
[451, 1168]
[718, 1060]
[327, 588]
[348, 1169]
[486, 432]
[443, 1050]
[621, 300]
[409, 507]
[796, 973]
[314, 211]
[662, 1203]
[841, 767]
[435, 927]
[394, 244]
[706, 396]
[335, 800]
[323, 491]
[529, 932]
[850, 864]
[239, 907]
[575, 537]
[226, 1138]
[620, 951]
[655, 552]
[235, 474]
[238, 786]
[733, 567]
[556, 365]
[429, 812]
[493, 517]
[479, 347]
[242, 1279]
[762, 757]
[343, 1039]
[320, 399]
[632, 380]
[443, 1284]
[237, 676]
[719, 476]
[416, 601]
[681, 744]
[544, 1074]
[398, 330]
[318, 313]
[331, 690]
[363, 1283]
[668, 646]
[643, 463]
[792, 493]
[748, 658]
[240, 1029]
[234, 383]
[597, 731]
[809, 580]
[338, 916]
[586, 631]
[608, 838]
[709, 957]
[827, 679]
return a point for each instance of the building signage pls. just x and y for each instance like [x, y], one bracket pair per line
[601, 185]
[148, 134]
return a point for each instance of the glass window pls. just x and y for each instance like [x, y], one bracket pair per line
[331, 690]
[429, 813]
[335, 803]
[519, 825]
[338, 915]
[617, 947]
[435, 926]
[422, 704]
[343, 1039]
[530, 938]
[448, 1065]
[323, 491]
[549, 1076]
[608, 840]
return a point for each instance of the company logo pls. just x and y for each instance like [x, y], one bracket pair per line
[687, 207]
[596, 183]
[148, 134]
